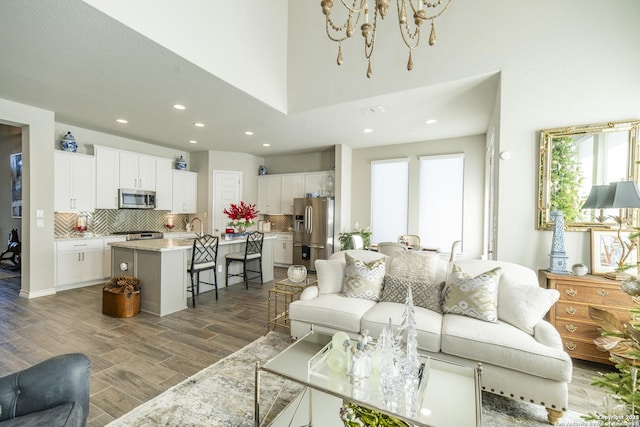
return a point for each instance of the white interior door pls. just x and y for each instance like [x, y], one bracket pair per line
[227, 189]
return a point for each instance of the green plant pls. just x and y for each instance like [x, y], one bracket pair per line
[345, 238]
[566, 177]
[622, 341]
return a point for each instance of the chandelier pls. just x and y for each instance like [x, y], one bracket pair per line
[410, 32]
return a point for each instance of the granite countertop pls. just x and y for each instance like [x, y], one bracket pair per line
[164, 245]
[79, 236]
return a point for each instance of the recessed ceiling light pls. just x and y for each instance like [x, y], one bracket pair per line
[123, 121]
[367, 130]
[198, 125]
[179, 107]
[431, 121]
[193, 141]
[266, 144]
[248, 132]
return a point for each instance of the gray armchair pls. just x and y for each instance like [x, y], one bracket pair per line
[52, 393]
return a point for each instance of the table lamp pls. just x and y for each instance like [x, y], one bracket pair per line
[595, 199]
[620, 195]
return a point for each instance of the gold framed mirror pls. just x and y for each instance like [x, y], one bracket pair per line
[573, 159]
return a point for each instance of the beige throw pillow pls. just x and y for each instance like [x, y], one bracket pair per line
[472, 296]
[363, 280]
[420, 265]
[524, 306]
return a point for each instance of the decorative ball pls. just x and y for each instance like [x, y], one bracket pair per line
[297, 273]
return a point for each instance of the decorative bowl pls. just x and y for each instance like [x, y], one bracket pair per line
[297, 273]
[579, 269]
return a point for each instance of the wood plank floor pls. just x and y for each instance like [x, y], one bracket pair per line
[135, 359]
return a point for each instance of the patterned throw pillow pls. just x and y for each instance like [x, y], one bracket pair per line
[418, 265]
[425, 294]
[472, 296]
[363, 280]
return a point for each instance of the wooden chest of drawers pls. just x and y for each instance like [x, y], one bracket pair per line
[570, 315]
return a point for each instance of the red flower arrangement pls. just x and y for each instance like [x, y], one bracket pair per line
[242, 214]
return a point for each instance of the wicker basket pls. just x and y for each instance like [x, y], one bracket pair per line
[120, 305]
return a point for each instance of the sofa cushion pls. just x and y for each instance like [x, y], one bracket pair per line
[475, 297]
[419, 265]
[425, 294]
[363, 279]
[331, 310]
[67, 415]
[503, 345]
[428, 323]
[524, 305]
[330, 274]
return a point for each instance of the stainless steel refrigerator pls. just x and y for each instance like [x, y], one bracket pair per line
[312, 230]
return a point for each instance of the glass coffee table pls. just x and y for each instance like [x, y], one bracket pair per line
[450, 396]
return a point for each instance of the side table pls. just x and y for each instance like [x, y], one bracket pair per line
[283, 293]
[570, 315]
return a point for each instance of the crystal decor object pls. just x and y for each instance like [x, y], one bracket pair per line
[297, 273]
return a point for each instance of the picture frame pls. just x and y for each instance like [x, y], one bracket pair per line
[606, 250]
[15, 165]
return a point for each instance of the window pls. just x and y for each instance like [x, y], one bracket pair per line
[389, 199]
[441, 200]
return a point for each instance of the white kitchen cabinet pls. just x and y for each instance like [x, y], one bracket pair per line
[269, 194]
[164, 184]
[316, 182]
[107, 177]
[137, 171]
[292, 187]
[74, 179]
[78, 262]
[283, 250]
[185, 192]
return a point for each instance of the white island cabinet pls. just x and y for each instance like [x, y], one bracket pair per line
[161, 266]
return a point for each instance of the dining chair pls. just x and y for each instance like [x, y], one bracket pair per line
[391, 248]
[203, 257]
[411, 240]
[252, 252]
[357, 242]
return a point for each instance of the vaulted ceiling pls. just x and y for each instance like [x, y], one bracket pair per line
[219, 59]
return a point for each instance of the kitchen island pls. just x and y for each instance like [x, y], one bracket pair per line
[161, 265]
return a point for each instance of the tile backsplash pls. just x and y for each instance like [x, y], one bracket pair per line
[107, 221]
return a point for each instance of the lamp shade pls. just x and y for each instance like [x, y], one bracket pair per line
[596, 197]
[621, 195]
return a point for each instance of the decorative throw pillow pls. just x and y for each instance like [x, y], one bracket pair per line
[330, 273]
[525, 305]
[425, 294]
[472, 296]
[363, 280]
[419, 265]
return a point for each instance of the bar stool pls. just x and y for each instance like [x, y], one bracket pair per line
[252, 252]
[203, 257]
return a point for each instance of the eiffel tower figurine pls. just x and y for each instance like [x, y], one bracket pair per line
[558, 256]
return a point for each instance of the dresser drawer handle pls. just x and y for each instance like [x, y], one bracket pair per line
[571, 328]
[571, 346]
[602, 292]
[571, 310]
[572, 292]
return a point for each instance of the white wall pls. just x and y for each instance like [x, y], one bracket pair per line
[37, 194]
[473, 149]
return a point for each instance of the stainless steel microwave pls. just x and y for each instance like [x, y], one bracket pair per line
[136, 199]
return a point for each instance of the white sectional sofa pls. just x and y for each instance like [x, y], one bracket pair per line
[521, 354]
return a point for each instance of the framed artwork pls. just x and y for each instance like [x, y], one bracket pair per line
[606, 250]
[16, 184]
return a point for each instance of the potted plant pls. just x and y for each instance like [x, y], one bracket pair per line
[345, 238]
[241, 215]
[121, 296]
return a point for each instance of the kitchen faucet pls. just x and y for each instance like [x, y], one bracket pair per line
[201, 225]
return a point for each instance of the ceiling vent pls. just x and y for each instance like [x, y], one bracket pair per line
[372, 111]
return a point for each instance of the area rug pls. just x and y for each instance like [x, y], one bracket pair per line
[222, 395]
[8, 274]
